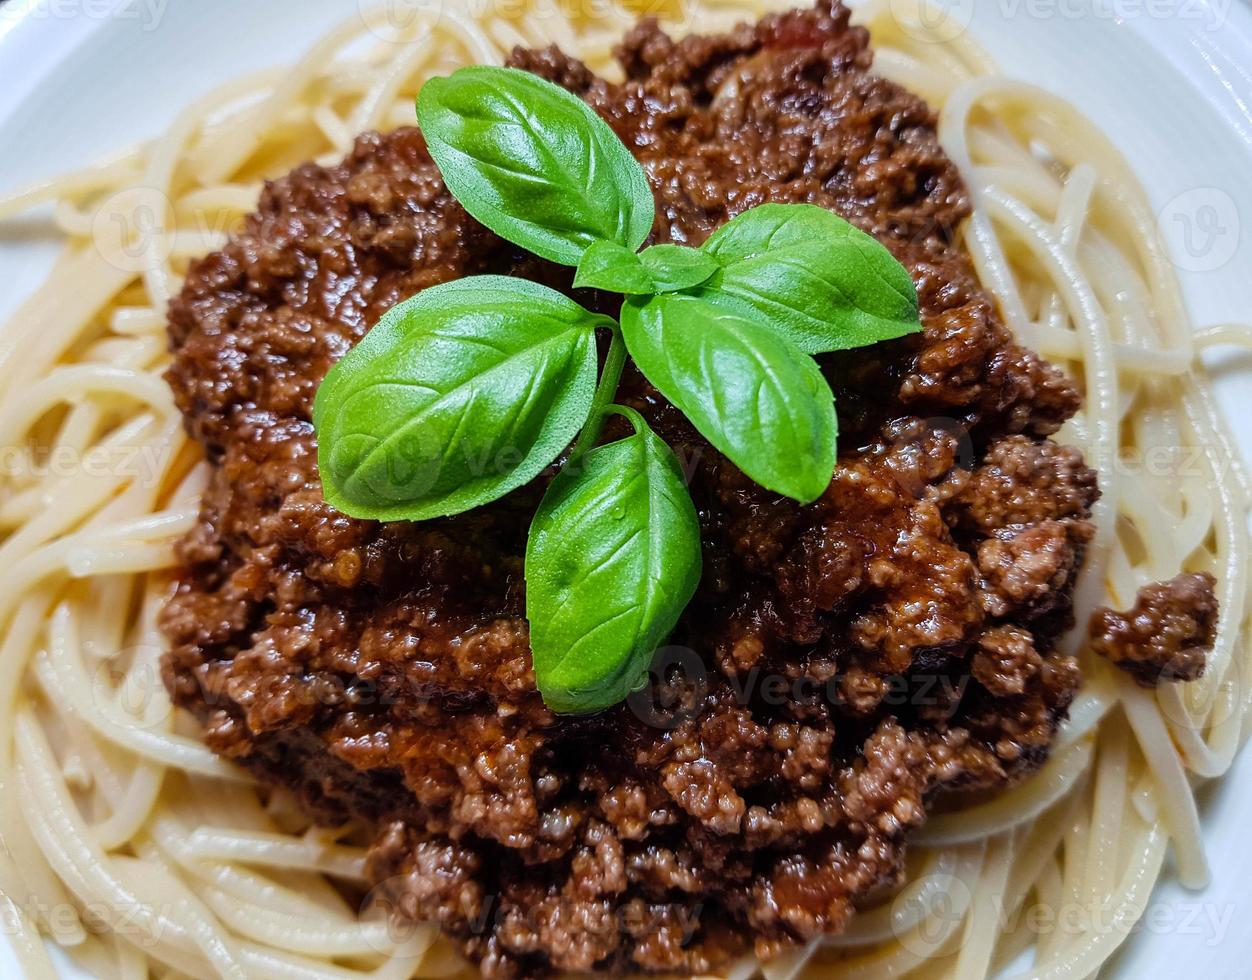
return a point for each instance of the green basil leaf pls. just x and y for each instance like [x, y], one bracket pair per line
[659, 269]
[822, 282]
[456, 397]
[752, 393]
[612, 561]
[675, 267]
[534, 163]
[613, 267]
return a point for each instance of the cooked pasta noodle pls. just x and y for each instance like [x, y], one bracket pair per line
[141, 853]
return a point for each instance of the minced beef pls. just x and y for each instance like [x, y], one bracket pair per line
[842, 665]
[1166, 635]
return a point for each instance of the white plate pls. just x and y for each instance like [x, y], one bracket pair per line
[1169, 80]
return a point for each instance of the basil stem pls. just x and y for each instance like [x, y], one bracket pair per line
[606, 391]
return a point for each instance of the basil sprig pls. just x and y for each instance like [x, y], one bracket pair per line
[471, 389]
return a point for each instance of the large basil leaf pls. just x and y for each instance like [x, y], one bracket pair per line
[534, 163]
[457, 396]
[748, 390]
[612, 561]
[825, 284]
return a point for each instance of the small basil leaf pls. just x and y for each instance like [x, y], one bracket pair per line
[613, 267]
[824, 283]
[748, 390]
[612, 561]
[534, 163]
[675, 267]
[456, 397]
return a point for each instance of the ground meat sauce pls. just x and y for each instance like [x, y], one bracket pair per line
[1166, 635]
[847, 663]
